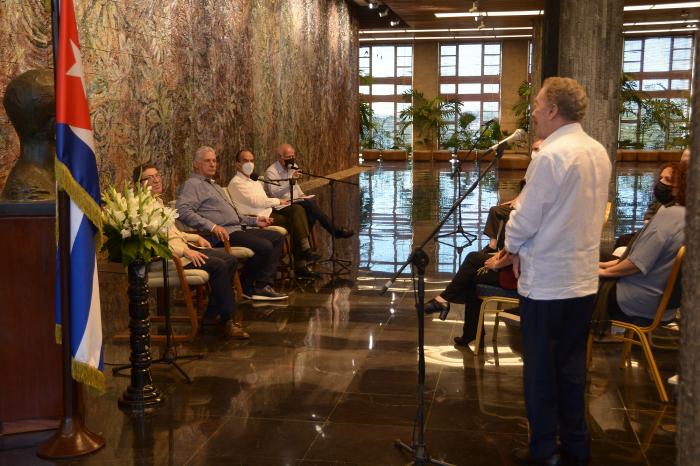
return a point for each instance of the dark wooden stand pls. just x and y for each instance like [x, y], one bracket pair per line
[32, 392]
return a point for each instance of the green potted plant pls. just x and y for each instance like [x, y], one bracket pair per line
[429, 117]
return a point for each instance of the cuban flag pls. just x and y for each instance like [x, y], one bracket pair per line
[76, 173]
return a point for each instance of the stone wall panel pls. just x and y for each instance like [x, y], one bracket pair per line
[166, 76]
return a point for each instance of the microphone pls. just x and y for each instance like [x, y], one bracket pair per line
[256, 177]
[518, 135]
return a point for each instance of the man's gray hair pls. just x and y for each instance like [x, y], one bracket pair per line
[201, 152]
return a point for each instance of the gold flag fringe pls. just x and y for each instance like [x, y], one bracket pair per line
[82, 199]
[57, 334]
[88, 375]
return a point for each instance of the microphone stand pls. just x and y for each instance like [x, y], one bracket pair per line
[419, 260]
[343, 264]
[293, 276]
[459, 230]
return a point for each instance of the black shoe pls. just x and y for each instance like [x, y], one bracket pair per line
[522, 456]
[311, 257]
[305, 272]
[463, 342]
[343, 232]
[433, 307]
[267, 294]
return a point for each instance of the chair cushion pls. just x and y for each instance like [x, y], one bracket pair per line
[193, 276]
[488, 290]
[241, 253]
[278, 229]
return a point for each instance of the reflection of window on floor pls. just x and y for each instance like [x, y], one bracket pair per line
[471, 73]
[390, 68]
[634, 195]
[473, 211]
[661, 67]
[386, 223]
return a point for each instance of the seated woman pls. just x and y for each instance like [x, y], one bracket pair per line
[639, 277]
[663, 196]
[478, 268]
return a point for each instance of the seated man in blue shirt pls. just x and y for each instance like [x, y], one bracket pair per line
[205, 206]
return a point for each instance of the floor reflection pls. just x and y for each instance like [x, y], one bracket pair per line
[401, 204]
[330, 378]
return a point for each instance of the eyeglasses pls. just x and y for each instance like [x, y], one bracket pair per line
[152, 177]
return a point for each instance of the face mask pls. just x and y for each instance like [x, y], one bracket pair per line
[289, 162]
[248, 168]
[663, 193]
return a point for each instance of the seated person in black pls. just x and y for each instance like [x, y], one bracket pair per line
[478, 268]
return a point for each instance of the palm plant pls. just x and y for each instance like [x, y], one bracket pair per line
[522, 108]
[429, 117]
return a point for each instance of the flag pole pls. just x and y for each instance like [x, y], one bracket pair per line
[72, 439]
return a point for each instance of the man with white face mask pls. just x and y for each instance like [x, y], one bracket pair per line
[251, 199]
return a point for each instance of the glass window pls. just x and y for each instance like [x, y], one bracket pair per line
[474, 70]
[657, 54]
[680, 84]
[655, 84]
[469, 88]
[382, 89]
[390, 68]
[661, 67]
[469, 60]
[383, 61]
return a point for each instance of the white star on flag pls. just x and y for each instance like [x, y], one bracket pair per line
[77, 69]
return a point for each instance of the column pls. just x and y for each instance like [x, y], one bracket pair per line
[590, 51]
[689, 389]
[425, 78]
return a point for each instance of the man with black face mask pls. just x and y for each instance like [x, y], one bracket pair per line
[286, 167]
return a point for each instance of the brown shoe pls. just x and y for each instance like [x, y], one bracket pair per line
[234, 330]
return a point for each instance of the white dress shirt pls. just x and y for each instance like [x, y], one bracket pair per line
[250, 196]
[277, 172]
[558, 217]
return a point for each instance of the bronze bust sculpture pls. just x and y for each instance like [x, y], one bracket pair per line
[31, 106]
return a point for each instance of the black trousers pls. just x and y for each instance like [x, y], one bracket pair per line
[259, 270]
[496, 220]
[554, 334]
[221, 267]
[462, 290]
[293, 219]
[314, 214]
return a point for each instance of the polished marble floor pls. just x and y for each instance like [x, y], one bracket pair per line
[331, 378]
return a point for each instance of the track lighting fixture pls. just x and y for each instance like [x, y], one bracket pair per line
[384, 12]
[373, 4]
[394, 22]
[474, 8]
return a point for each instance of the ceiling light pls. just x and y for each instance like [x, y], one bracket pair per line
[648, 31]
[481, 25]
[492, 13]
[662, 6]
[413, 38]
[475, 7]
[394, 31]
[383, 13]
[394, 22]
[658, 23]
[372, 5]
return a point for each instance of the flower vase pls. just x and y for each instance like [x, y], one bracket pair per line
[140, 397]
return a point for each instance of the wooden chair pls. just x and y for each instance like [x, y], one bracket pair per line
[504, 300]
[636, 335]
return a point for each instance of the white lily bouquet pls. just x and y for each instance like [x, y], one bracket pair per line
[136, 224]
